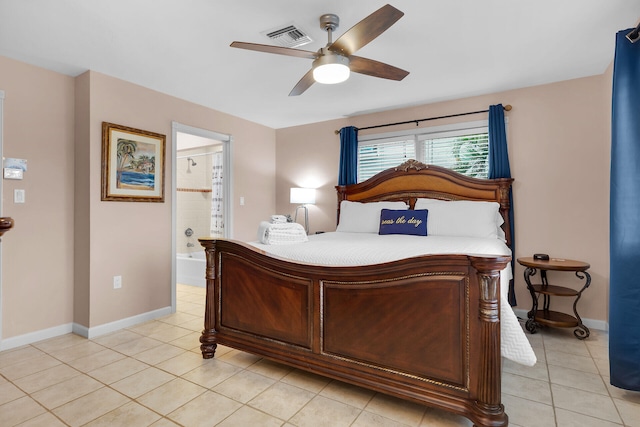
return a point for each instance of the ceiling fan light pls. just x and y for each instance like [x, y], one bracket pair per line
[331, 69]
[331, 73]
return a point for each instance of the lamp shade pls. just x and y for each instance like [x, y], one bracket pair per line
[303, 196]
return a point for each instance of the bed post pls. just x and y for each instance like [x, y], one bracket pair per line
[505, 207]
[488, 404]
[208, 338]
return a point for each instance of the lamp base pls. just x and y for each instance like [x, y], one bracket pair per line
[306, 217]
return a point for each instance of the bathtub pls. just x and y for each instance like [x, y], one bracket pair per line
[190, 269]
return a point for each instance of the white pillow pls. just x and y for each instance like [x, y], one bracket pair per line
[462, 218]
[357, 217]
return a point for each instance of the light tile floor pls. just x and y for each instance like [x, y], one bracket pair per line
[153, 375]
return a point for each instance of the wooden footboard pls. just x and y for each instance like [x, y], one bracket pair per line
[424, 329]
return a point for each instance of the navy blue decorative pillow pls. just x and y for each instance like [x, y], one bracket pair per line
[412, 222]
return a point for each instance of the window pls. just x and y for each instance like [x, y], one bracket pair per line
[383, 155]
[463, 148]
[468, 155]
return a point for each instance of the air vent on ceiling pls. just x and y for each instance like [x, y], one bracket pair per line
[289, 35]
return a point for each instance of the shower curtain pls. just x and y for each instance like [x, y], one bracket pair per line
[217, 197]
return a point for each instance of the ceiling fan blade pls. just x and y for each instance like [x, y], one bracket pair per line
[366, 30]
[376, 68]
[305, 83]
[276, 49]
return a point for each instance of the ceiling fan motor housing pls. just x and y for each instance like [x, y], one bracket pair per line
[329, 57]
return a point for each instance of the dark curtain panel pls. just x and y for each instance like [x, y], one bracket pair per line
[348, 173]
[499, 168]
[624, 244]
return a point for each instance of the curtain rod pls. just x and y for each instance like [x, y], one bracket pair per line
[506, 108]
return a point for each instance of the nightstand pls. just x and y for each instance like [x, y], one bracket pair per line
[543, 316]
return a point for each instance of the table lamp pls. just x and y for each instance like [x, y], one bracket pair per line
[303, 197]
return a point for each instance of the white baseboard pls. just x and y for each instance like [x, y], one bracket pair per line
[36, 336]
[120, 324]
[599, 325]
[81, 330]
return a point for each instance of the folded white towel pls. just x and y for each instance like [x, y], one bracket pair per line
[281, 234]
[278, 219]
[262, 231]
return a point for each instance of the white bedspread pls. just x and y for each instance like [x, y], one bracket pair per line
[349, 249]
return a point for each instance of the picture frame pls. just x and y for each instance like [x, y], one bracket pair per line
[133, 163]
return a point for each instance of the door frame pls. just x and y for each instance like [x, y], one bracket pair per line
[227, 186]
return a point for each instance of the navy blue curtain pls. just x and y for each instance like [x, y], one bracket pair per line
[499, 168]
[348, 173]
[624, 244]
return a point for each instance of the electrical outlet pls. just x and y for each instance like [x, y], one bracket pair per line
[117, 282]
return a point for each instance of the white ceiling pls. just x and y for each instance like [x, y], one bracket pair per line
[452, 49]
[187, 141]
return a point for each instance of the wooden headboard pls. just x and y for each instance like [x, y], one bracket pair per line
[413, 180]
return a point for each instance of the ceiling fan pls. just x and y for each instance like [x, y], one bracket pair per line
[334, 62]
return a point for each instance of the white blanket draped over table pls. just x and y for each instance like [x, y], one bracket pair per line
[351, 249]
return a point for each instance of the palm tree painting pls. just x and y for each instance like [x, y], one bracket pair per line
[132, 164]
[126, 149]
[136, 165]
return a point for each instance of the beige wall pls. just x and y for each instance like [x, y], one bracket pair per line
[37, 261]
[82, 199]
[558, 137]
[309, 156]
[59, 261]
[134, 239]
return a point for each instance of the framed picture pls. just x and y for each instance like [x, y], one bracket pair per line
[132, 164]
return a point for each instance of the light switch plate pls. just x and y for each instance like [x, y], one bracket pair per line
[18, 196]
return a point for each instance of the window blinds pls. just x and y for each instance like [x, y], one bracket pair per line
[464, 153]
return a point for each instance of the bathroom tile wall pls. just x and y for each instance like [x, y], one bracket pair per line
[193, 198]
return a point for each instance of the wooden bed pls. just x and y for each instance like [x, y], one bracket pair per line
[425, 329]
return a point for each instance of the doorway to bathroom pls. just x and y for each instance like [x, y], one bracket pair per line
[201, 191]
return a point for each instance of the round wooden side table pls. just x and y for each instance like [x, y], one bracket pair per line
[538, 317]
